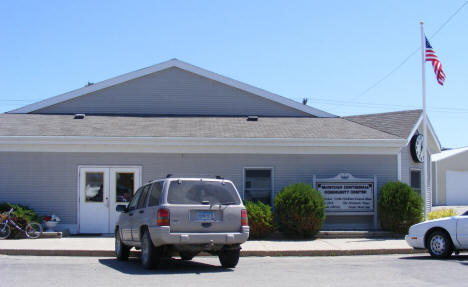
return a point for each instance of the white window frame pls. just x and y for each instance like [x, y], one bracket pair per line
[272, 170]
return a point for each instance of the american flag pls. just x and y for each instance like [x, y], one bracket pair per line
[432, 57]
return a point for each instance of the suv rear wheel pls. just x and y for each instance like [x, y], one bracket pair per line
[122, 251]
[150, 255]
[229, 258]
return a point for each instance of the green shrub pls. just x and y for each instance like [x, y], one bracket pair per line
[21, 215]
[399, 207]
[444, 212]
[260, 219]
[300, 210]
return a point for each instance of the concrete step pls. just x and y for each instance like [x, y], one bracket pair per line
[47, 234]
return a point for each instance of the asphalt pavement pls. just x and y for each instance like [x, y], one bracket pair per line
[377, 270]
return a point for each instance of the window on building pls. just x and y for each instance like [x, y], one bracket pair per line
[415, 180]
[258, 185]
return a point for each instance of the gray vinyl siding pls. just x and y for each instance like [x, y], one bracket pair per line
[407, 164]
[172, 92]
[48, 181]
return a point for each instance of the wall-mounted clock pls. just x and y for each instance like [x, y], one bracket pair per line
[416, 148]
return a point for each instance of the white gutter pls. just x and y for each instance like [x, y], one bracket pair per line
[199, 145]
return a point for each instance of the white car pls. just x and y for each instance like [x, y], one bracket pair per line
[441, 236]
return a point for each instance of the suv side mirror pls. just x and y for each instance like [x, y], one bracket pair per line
[121, 208]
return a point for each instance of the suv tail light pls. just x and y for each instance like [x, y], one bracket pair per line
[244, 218]
[163, 217]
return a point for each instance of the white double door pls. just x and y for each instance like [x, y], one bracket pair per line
[101, 189]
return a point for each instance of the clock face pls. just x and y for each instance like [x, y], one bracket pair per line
[417, 148]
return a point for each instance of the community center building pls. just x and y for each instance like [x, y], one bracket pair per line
[79, 154]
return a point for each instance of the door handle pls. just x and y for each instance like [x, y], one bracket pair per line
[141, 211]
[130, 214]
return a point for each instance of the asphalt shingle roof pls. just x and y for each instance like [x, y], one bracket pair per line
[209, 127]
[396, 123]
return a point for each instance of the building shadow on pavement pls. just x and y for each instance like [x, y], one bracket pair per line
[167, 266]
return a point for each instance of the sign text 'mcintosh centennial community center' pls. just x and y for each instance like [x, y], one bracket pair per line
[348, 196]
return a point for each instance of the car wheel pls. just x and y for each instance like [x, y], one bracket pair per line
[122, 251]
[229, 258]
[150, 255]
[439, 245]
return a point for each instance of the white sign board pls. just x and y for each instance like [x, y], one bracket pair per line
[347, 196]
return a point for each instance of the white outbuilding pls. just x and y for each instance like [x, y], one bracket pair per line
[450, 177]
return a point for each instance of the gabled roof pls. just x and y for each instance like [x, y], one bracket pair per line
[166, 65]
[36, 125]
[401, 123]
[448, 153]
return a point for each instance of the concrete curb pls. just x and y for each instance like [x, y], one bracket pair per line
[45, 252]
[332, 252]
[246, 253]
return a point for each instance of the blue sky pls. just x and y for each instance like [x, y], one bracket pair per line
[330, 52]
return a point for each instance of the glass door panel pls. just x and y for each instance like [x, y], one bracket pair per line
[94, 187]
[124, 187]
[124, 181]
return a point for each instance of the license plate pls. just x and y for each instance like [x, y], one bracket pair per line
[205, 215]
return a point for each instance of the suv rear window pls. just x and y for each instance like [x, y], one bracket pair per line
[202, 192]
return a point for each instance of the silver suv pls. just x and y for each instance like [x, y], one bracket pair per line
[183, 216]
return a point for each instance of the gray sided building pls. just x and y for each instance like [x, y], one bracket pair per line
[175, 118]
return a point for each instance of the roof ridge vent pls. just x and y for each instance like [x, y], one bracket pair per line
[252, 118]
[79, 116]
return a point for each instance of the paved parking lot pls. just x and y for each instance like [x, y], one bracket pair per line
[388, 270]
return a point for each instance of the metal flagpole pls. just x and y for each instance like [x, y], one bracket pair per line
[426, 158]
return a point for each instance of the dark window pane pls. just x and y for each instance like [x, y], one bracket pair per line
[257, 195]
[196, 192]
[155, 194]
[124, 183]
[94, 186]
[416, 179]
[258, 178]
[258, 185]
